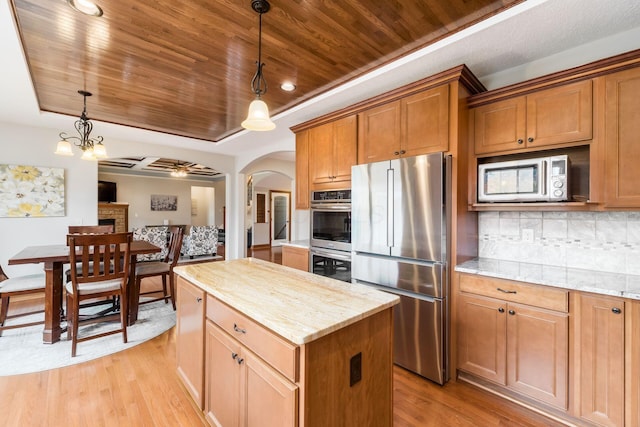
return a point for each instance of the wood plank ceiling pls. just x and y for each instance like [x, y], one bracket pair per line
[184, 67]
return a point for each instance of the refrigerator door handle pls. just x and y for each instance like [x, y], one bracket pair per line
[390, 218]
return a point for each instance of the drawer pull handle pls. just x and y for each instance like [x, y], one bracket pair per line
[616, 310]
[512, 312]
[506, 291]
[501, 310]
[239, 330]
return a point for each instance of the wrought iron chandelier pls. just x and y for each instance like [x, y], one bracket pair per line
[92, 148]
[258, 117]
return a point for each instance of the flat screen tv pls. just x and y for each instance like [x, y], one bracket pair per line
[107, 192]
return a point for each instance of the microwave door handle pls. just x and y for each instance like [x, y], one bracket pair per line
[544, 178]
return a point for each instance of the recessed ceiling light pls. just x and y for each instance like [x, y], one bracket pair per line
[288, 87]
[85, 6]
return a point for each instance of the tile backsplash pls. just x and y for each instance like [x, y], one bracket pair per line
[602, 241]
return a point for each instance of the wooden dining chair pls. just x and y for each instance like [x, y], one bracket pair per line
[20, 285]
[94, 229]
[162, 268]
[90, 229]
[88, 281]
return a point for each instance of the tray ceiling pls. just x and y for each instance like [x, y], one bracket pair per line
[184, 67]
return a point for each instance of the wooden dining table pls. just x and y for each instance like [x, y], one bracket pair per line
[54, 257]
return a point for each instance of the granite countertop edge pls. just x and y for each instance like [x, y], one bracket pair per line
[600, 282]
[349, 303]
[304, 244]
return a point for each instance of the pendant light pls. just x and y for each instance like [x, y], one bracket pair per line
[92, 148]
[258, 117]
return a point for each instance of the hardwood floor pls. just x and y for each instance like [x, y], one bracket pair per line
[140, 387]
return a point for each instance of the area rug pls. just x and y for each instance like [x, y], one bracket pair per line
[22, 350]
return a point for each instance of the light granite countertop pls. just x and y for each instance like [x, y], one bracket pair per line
[304, 244]
[299, 306]
[615, 284]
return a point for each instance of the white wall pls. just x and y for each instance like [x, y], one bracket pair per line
[137, 191]
[34, 146]
[22, 144]
[203, 209]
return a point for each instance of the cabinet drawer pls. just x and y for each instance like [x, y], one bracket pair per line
[507, 290]
[277, 352]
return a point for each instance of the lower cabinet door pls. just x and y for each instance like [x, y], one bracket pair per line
[223, 397]
[190, 338]
[482, 337]
[270, 399]
[538, 353]
[601, 335]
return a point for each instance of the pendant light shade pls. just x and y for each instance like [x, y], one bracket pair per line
[258, 117]
[64, 148]
[92, 148]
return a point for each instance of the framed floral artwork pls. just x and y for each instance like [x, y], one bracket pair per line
[31, 191]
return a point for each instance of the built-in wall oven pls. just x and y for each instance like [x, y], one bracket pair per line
[330, 263]
[330, 252]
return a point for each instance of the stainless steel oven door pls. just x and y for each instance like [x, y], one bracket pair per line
[331, 226]
[333, 264]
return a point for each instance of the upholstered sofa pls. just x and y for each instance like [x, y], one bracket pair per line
[201, 240]
[156, 235]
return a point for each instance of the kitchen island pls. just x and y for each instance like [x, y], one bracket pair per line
[263, 344]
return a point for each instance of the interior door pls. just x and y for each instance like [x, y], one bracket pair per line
[280, 217]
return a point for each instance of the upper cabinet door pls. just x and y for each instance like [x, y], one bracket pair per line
[321, 153]
[425, 122]
[500, 126]
[332, 152]
[302, 170]
[622, 148]
[546, 118]
[559, 115]
[345, 134]
[379, 133]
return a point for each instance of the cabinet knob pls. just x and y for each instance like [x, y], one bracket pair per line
[616, 310]
[402, 151]
[512, 312]
[396, 153]
[239, 330]
[501, 310]
[520, 141]
[530, 139]
[240, 360]
[234, 356]
[198, 299]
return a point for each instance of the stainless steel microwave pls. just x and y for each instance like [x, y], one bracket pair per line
[542, 179]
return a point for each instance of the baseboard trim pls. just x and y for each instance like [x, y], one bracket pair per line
[265, 246]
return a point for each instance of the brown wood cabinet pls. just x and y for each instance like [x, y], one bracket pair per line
[302, 170]
[295, 257]
[242, 390]
[332, 152]
[600, 359]
[413, 125]
[542, 119]
[252, 376]
[190, 308]
[522, 346]
[622, 150]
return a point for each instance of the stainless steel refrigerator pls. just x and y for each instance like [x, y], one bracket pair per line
[399, 245]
